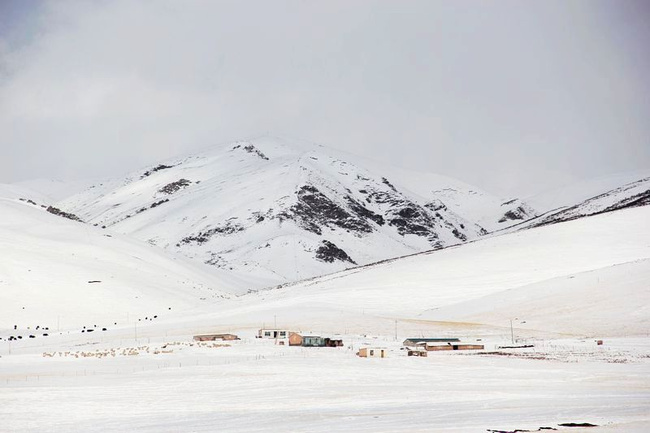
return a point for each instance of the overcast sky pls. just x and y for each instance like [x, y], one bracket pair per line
[513, 96]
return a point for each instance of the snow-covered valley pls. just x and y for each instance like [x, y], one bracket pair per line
[558, 288]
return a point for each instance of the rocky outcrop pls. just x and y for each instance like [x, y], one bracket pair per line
[58, 212]
[172, 187]
[251, 149]
[155, 169]
[314, 210]
[202, 237]
[329, 252]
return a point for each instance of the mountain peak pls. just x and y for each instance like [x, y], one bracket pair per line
[277, 209]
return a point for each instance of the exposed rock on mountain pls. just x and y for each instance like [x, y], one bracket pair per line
[328, 252]
[56, 211]
[277, 211]
[633, 194]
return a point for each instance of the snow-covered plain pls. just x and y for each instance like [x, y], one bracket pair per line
[563, 286]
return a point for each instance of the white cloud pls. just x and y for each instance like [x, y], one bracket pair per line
[514, 96]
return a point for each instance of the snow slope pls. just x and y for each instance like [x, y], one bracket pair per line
[587, 276]
[279, 211]
[48, 265]
[572, 194]
[632, 194]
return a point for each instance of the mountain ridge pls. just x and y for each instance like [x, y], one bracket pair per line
[225, 206]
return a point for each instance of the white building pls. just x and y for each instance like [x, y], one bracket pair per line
[373, 352]
[273, 333]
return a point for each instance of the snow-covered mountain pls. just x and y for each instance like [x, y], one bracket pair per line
[634, 193]
[577, 192]
[277, 210]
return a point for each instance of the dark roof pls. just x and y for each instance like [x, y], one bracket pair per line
[431, 340]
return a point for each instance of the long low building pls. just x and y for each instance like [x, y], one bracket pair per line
[453, 346]
[415, 341]
[215, 337]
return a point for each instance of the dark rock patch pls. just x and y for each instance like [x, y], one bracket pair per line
[173, 187]
[28, 201]
[204, 236]
[409, 217]
[435, 205]
[637, 200]
[315, 210]
[58, 212]
[153, 205]
[514, 214]
[460, 236]
[251, 149]
[329, 252]
[364, 212]
[155, 169]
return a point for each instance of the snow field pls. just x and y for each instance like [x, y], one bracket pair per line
[255, 386]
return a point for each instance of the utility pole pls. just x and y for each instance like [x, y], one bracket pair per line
[135, 331]
[395, 329]
[512, 332]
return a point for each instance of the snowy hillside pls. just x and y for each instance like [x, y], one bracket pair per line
[578, 192]
[56, 272]
[633, 194]
[588, 276]
[279, 211]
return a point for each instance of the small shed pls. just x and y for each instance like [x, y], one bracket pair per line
[273, 333]
[216, 337]
[372, 352]
[415, 341]
[295, 339]
[313, 341]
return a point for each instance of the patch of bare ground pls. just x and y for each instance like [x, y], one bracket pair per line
[568, 356]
